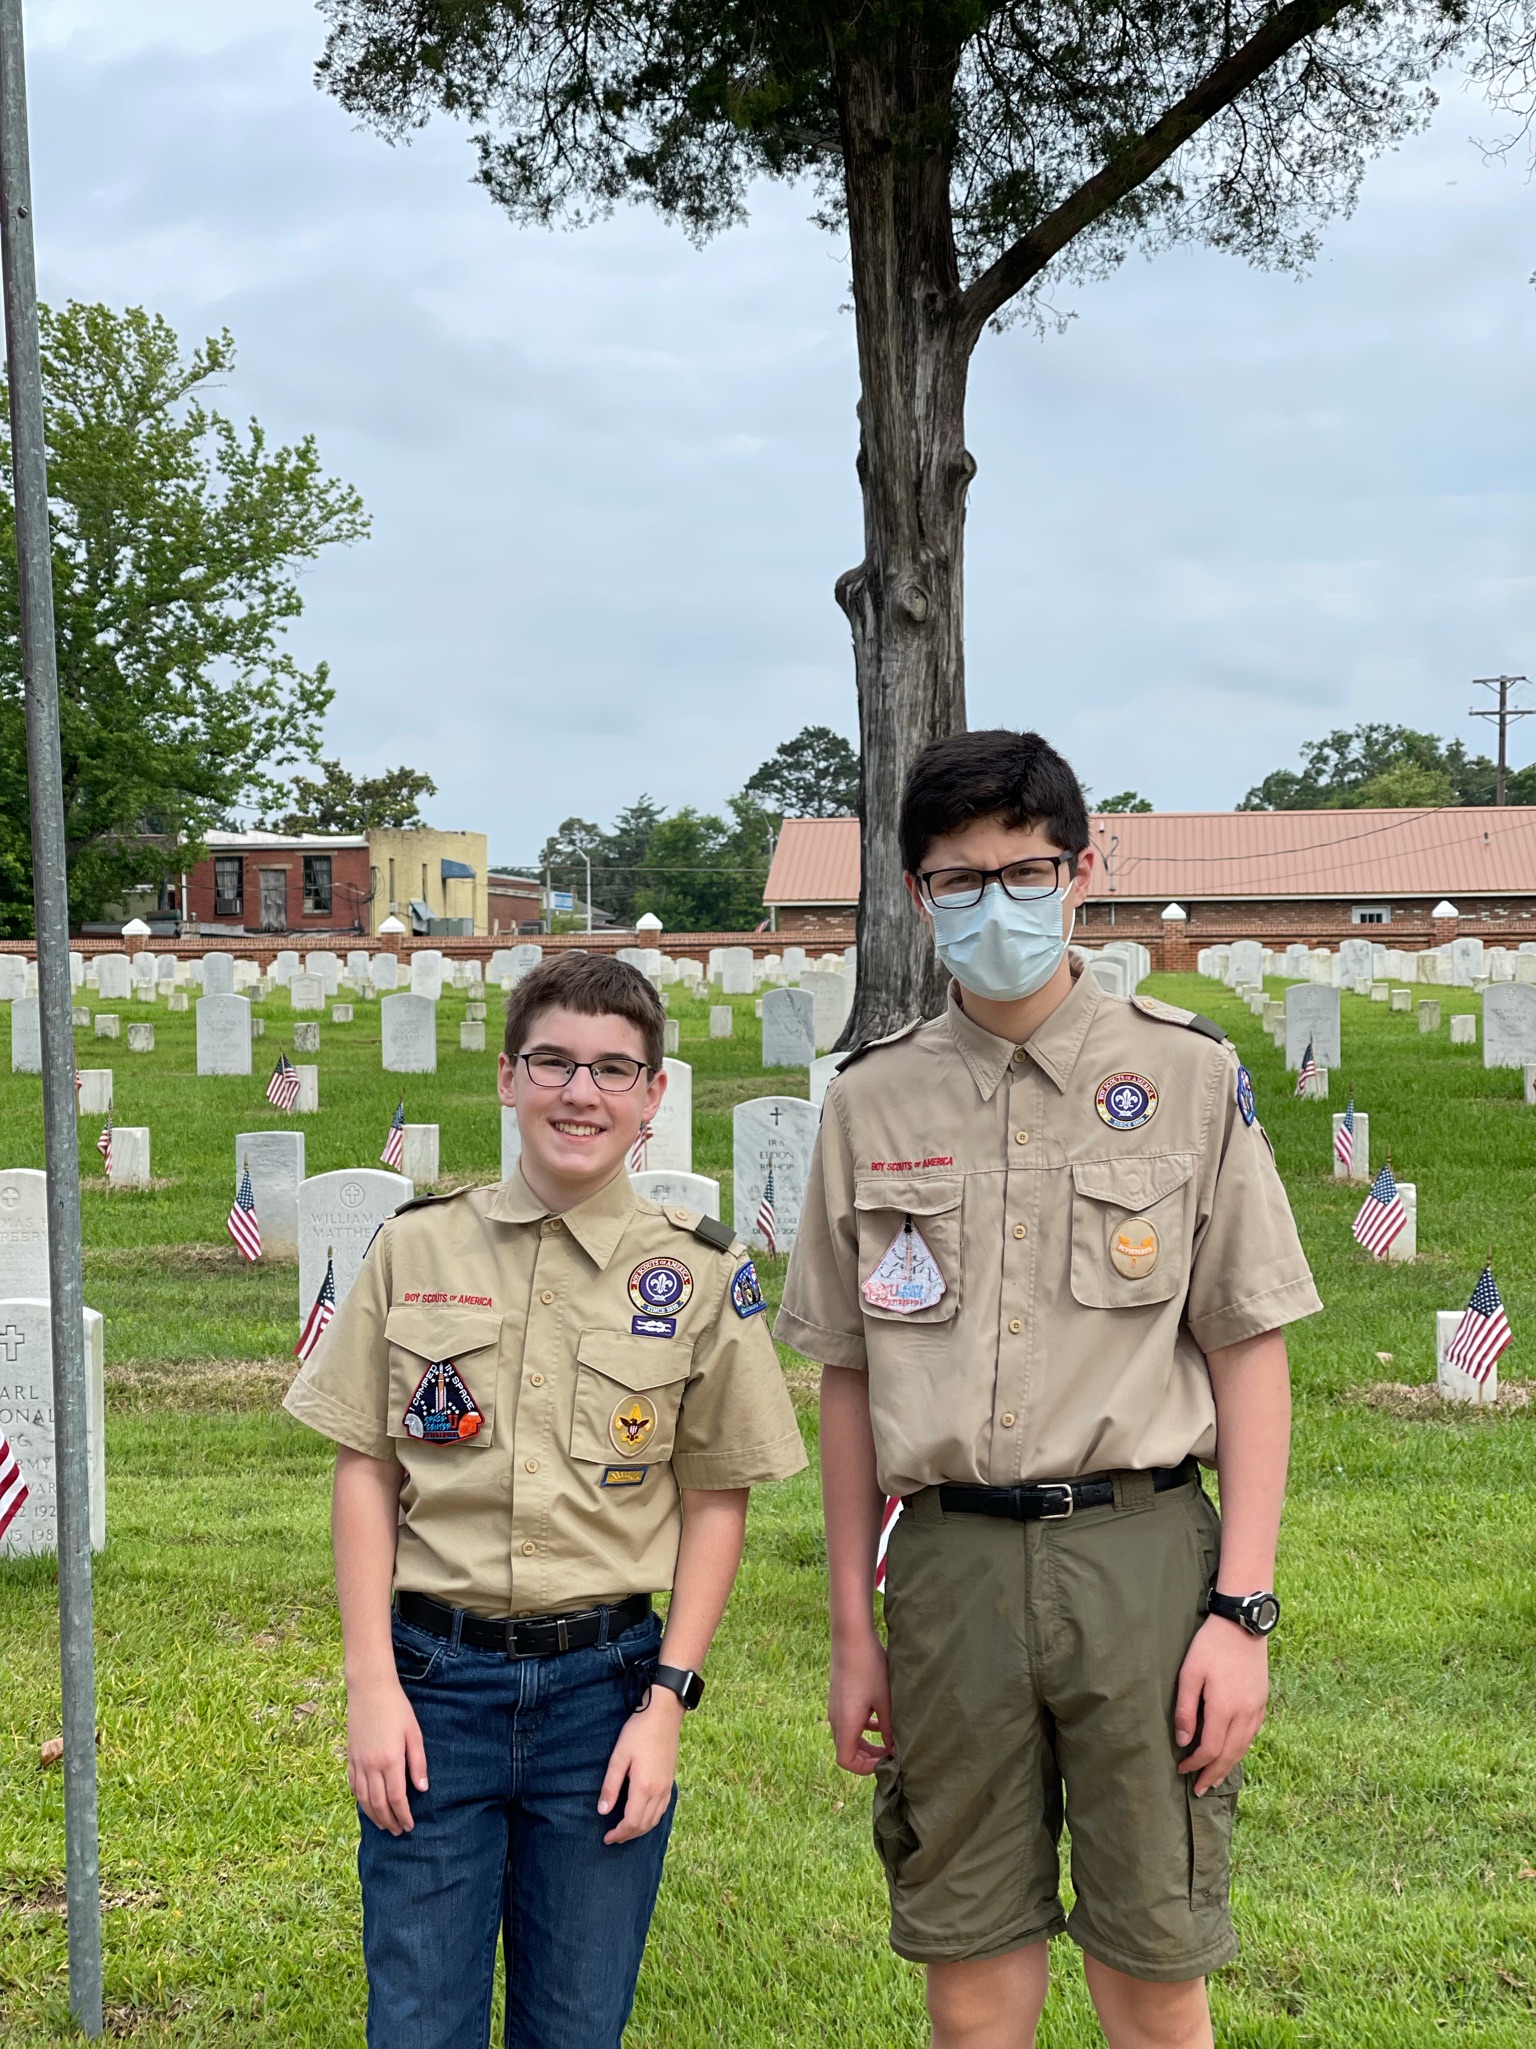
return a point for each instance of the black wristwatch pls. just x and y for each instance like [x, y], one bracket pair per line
[1257, 1613]
[688, 1686]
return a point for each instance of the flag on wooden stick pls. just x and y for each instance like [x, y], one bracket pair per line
[283, 1088]
[887, 1523]
[1381, 1216]
[1483, 1332]
[13, 1486]
[244, 1226]
[1344, 1138]
[394, 1145]
[320, 1316]
[1308, 1073]
[767, 1223]
[104, 1146]
[637, 1150]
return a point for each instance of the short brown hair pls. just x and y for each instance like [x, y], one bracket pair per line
[595, 985]
[1017, 778]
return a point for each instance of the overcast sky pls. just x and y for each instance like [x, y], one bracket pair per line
[611, 478]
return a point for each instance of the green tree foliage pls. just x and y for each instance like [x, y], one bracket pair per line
[1384, 767]
[341, 802]
[815, 775]
[1127, 800]
[177, 538]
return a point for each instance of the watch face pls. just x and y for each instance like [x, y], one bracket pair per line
[1263, 1613]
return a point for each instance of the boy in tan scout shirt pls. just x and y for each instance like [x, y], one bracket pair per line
[550, 1399]
[1045, 1258]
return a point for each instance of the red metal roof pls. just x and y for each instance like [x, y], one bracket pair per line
[1170, 855]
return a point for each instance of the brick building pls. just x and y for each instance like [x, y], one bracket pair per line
[280, 882]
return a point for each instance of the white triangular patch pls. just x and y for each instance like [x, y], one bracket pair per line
[907, 1277]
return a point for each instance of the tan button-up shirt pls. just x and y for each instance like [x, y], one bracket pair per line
[611, 1357]
[1102, 1216]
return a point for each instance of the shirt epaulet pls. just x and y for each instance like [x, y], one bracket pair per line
[421, 1201]
[1170, 1013]
[710, 1229]
[873, 1045]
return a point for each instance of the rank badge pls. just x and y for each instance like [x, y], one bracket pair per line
[632, 1424]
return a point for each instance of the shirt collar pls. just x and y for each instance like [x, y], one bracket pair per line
[1053, 1047]
[597, 1224]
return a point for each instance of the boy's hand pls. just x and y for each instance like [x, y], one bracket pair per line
[646, 1755]
[1223, 1691]
[858, 1702]
[383, 1744]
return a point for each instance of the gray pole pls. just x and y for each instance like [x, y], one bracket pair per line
[50, 893]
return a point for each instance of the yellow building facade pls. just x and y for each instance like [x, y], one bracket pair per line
[444, 871]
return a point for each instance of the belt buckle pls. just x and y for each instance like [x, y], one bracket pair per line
[562, 1634]
[1057, 1515]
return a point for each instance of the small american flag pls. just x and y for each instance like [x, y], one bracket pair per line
[243, 1225]
[320, 1316]
[1344, 1138]
[767, 1223]
[1381, 1216]
[1483, 1332]
[13, 1486]
[1308, 1073]
[394, 1145]
[887, 1523]
[104, 1145]
[283, 1088]
[637, 1150]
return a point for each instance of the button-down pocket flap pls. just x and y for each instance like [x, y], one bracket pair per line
[636, 1361]
[913, 1196]
[441, 1330]
[1132, 1183]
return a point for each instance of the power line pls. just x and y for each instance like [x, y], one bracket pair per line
[1503, 716]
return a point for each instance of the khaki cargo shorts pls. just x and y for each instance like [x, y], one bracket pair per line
[1033, 1673]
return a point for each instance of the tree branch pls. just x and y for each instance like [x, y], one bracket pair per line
[1020, 264]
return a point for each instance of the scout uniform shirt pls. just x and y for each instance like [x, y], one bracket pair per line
[548, 1383]
[1031, 1249]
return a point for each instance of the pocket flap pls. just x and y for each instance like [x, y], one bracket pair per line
[635, 1361]
[441, 1330]
[915, 1195]
[1132, 1182]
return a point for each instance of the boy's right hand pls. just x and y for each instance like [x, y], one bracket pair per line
[859, 1702]
[383, 1744]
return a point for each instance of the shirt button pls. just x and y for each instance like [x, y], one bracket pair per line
[1021, 1138]
[554, 1224]
[529, 1549]
[1021, 1230]
[533, 1465]
[1015, 1326]
[536, 1379]
[548, 1295]
[1008, 1419]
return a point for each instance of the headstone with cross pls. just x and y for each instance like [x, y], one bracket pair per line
[773, 1137]
[338, 1215]
[26, 1421]
[24, 1232]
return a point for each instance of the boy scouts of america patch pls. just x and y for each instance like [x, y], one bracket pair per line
[660, 1286]
[442, 1410]
[632, 1424]
[1245, 1102]
[1126, 1101]
[747, 1292]
[1134, 1248]
[907, 1277]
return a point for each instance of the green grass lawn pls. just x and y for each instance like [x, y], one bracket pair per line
[1386, 1852]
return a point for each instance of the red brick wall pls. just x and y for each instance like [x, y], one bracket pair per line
[349, 891]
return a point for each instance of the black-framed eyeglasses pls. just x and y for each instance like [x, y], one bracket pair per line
[956, 889]
[614, 1075]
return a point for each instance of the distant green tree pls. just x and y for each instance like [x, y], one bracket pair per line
[1408, 768]
[815, 775]
[1126, 801]
[177, 542]
[341, 802]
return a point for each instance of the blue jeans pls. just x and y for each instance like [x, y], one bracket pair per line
[509, 1838]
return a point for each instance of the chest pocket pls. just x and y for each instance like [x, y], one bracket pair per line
[1130, 1230]
[428, 1334]
[883, 1203]
[628, 1394]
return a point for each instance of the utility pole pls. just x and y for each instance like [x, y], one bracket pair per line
[50, 898]
[1506, 711]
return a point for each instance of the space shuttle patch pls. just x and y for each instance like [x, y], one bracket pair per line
[442, 1410]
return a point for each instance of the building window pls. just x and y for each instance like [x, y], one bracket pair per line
[1371, 914]
[317, 882]
[228, 886]
[391, 885]
[424, 882]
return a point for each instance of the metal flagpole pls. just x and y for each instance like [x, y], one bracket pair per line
[50, 893]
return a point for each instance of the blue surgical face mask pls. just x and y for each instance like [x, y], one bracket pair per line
[999, 948]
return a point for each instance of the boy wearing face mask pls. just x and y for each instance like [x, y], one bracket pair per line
[1045, 1260]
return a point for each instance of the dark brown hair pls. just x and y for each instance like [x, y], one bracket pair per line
[595, 985]
[1016, 778]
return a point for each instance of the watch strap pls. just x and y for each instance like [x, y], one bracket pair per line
[688, 1686]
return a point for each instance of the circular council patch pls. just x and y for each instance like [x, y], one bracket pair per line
[1245, 1101]
[632, 1424]
[1126, 1101]
[660, 1286]
[1134, 1248]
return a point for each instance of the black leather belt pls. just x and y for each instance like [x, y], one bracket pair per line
[523, 1636]
[1052, 1501]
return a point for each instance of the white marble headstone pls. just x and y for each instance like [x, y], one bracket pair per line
[1356, 960]
[223, 1035]
[342, 1211]
[112, 977]
[277, 1168]
[409, 1026]
[326, 966]
[427, 975]
[26, 1421]
[218, 974]
[722, 1021]
[736, 971]
[680, 1191]
[94, 1097]
[306, 992]
[1509, 1024]
[1245, 963]
[26, 1036]
[669, 1149]
[130, 1156]
[771, 1134]
[511, 1142]
[24, 1232]
[789, 1028]
[1466, 961]
[832, 994]
[822, 1071]
[384, 971]
[419, 1161]
[13, 977]
[1311, 1013]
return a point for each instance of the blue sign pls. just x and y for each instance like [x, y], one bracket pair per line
[562, 900]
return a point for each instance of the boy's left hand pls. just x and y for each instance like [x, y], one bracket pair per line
[646, 1755]
[1223, 1692]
